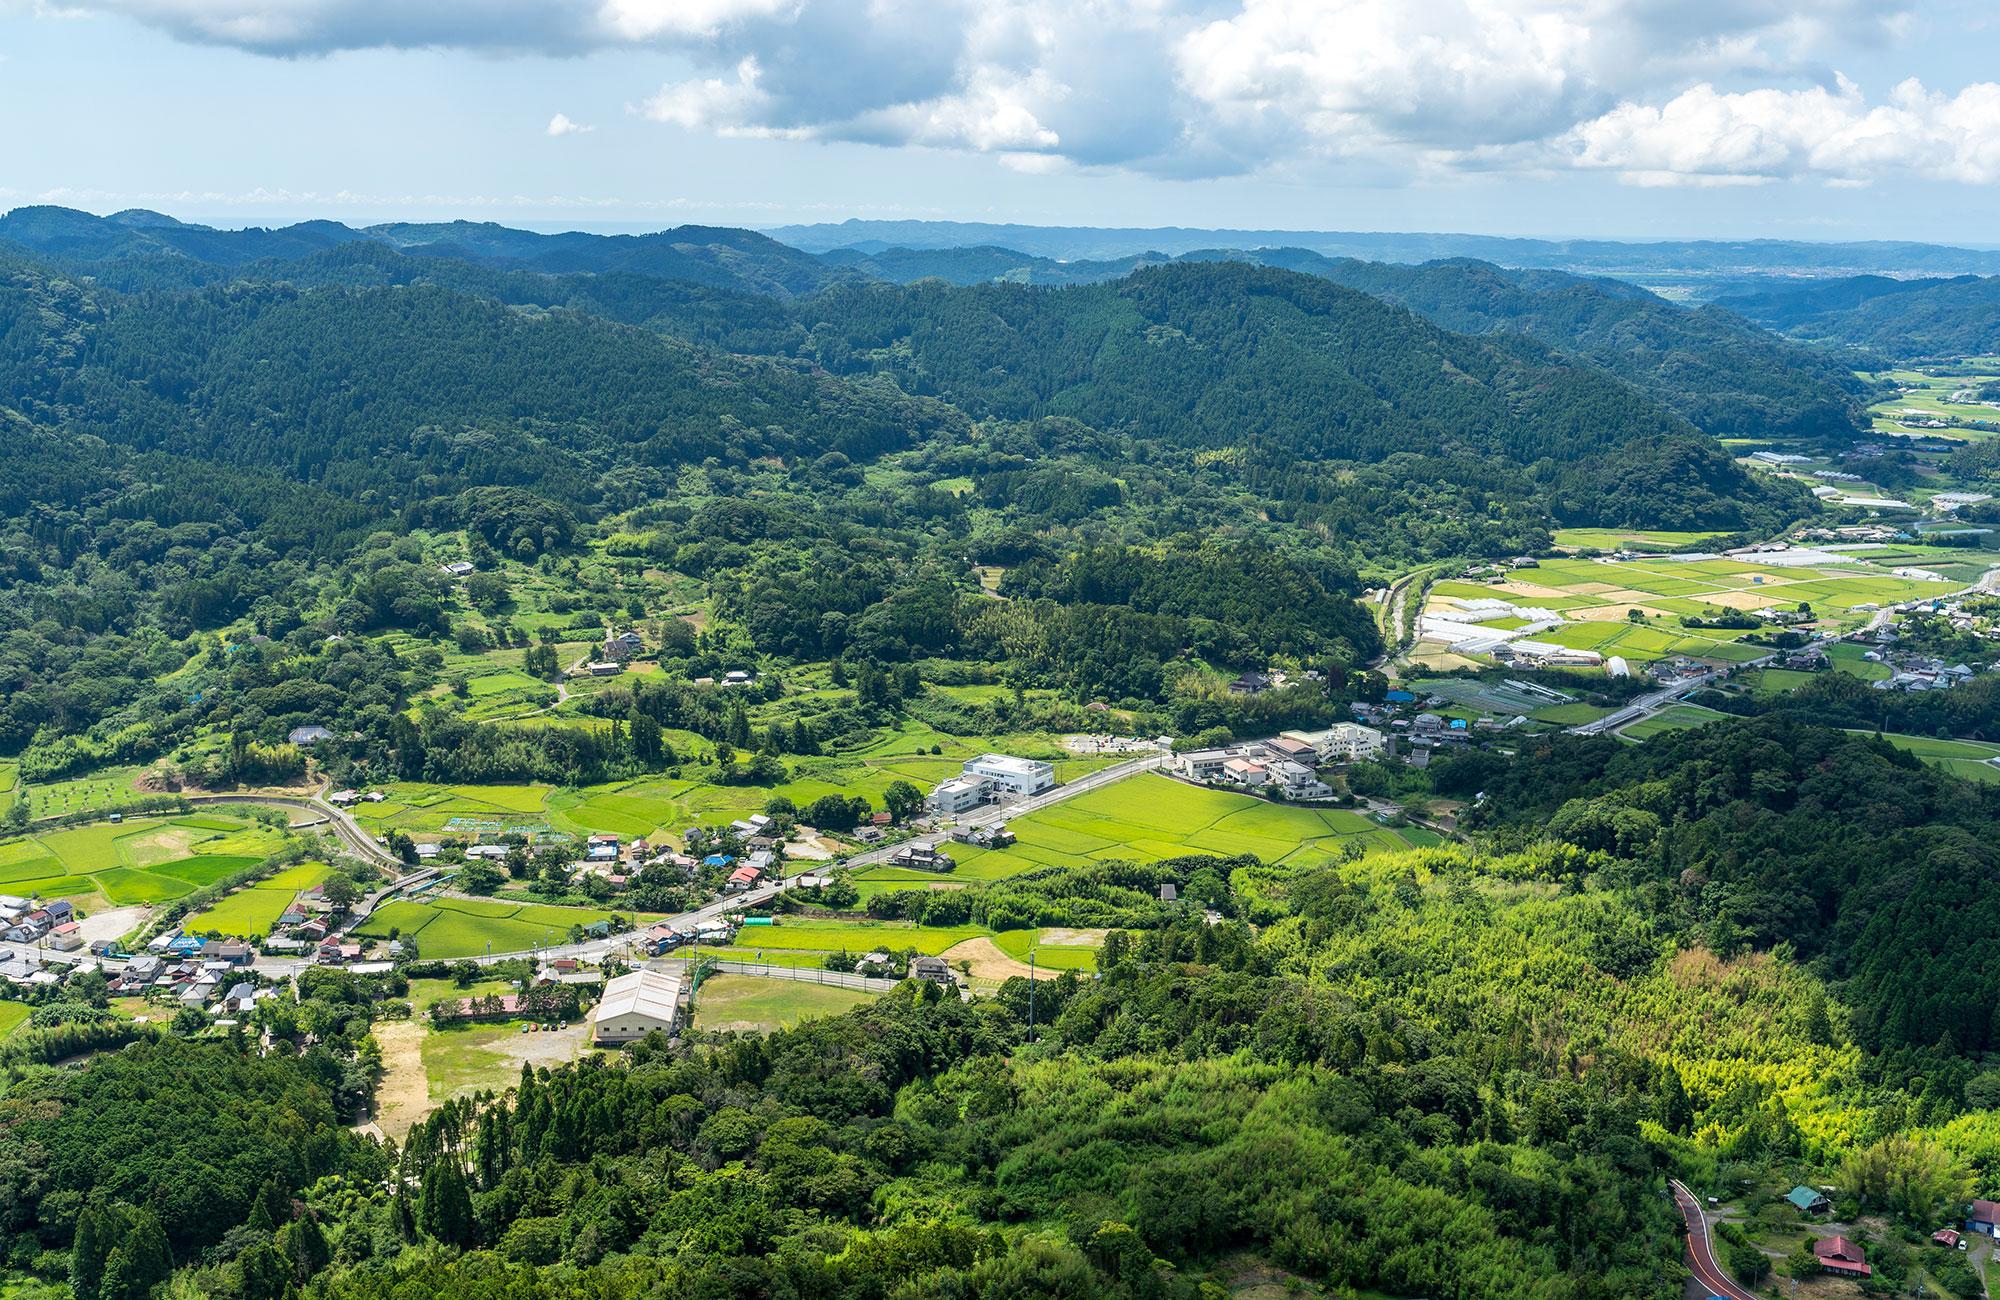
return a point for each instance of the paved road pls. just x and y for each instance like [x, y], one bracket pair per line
[1701, 1259]
[349, 831]
[1643, 706]
[802, 974]
[598, 949]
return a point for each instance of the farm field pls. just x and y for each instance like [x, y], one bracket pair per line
[1595, 597]
[133, 862]
[250, 913]
[748, 1004]
[1571, 715]
[1675, 717]
[1612, 539]
[1847, 657]
[12, 1016]
[462, 927]
[1964, 758]
[1149, 818]
[655, 807]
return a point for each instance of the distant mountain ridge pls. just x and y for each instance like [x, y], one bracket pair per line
[1083, 243]
[1900, 318]
[1722, 374]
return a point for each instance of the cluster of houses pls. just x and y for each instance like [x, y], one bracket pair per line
[349, 798]
[52, 924]
[991, 778]
[1844, 1258]
[880, 965]
[1287, 762]
[613, 654]
[996, 836]
[198, 973]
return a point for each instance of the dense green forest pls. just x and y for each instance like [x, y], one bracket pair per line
[1894, 318]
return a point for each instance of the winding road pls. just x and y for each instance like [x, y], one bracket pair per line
[1701, 1259]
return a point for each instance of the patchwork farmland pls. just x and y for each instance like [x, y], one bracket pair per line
[1593, 602]
[148, 861]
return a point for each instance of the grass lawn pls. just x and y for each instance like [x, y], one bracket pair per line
[748, 1003]
[1019, 943]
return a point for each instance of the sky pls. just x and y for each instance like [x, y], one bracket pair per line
[1842, 119]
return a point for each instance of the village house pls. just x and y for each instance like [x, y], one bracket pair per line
[1841, 1256]
[934, 969]
[1983, 1217]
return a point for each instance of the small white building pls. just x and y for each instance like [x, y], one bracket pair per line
[635, 1005]
[957, 795]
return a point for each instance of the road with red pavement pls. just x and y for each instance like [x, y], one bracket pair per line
[1701, 1251]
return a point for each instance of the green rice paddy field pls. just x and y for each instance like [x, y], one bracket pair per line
[151, 861]
[463, 927]
[1675, 717]
[653, 806]
[250, 913]
[1149, 818]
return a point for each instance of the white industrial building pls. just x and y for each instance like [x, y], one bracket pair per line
[635, 1005]
[992, 776]
[1343, 742]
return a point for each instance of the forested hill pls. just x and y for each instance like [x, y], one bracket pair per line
[420, 389]
[1727, 376]
[1878, 869]
[1896, 318]
[388, 397]
[1265, 363]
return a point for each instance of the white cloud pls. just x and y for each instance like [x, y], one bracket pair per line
[561, 125]
[1699, 92]
[1705, 137]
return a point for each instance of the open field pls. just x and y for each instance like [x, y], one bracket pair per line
[751, 1005]
[1149, 818]
[1675, 717]
[250, 913]
[459, 927]
[12, 1016]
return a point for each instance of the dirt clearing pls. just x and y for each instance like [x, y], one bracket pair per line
[404, 1095]
[988, 962]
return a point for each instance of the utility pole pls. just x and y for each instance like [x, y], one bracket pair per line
[1031, 995]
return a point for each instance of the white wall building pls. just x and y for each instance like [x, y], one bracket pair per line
[636, 1004]
[1020, 777]
[992, 776]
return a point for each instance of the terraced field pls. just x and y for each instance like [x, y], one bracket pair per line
[146, 861]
